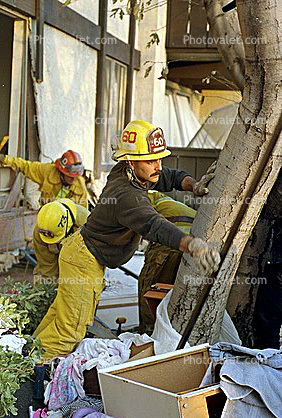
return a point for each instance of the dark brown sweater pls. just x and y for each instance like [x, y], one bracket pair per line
[124, 213]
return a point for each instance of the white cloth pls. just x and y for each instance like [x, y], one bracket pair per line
[13, 342]
[103, 352]
[128, 338]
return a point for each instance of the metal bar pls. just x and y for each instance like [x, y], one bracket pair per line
[253, 186]
[117, 305]
[129, 272]
[100, 95]
[130, 69]
[39, 40]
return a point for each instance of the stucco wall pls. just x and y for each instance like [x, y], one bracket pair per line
[149, 93]
[116, 26]
[86, 8]
[66, 98]
[90, 10]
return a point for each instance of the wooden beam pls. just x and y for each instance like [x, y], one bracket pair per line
[130, 68]
[120, 51]
[82, 29]
[197, 70]
[11, 227]
[14, 193]
[198, 32]
[31, 119]
[77, 26]
[100, 95]
[193, 54]
[72, 23]
[192, 75]
[177, 21]
[16, 100]
[39, 40]
[26, 7]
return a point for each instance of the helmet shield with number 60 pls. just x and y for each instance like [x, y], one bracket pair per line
[139, 141]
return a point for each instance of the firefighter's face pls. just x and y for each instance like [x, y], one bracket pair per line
[147, 170]
[67, 180]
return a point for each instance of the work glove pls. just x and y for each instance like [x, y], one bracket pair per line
[199, 188]
[207, 259]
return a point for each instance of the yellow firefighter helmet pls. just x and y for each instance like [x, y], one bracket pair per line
[140, 140]
[55, 220]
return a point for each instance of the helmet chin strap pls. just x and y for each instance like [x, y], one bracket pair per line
[72, 218]
[134, 180]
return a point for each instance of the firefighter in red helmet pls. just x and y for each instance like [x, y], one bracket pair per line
[62, 179]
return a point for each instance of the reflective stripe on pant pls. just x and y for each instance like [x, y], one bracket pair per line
[80, 286]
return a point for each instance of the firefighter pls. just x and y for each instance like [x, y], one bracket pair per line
[56, 180]
[56, 220]
[112, 233]
[161, 262]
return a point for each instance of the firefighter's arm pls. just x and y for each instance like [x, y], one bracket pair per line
[83, 200]
[206, 258]
[81, 215]
[199, 188]
[35, 171]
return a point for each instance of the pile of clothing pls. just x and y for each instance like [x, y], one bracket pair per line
[65, 395]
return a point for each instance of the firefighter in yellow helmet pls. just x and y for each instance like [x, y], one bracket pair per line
[56, 220]
[112, 233]
[56, 180]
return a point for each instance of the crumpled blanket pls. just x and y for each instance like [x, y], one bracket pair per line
[251, 380]
[68, 380]
[269, 356]
[102, 352]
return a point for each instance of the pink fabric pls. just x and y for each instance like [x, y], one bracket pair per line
[68, 381]
[40, 413]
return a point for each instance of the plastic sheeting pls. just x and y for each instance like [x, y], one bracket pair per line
[182, 128]
[167, 338]
[215, 130]
[180, 123]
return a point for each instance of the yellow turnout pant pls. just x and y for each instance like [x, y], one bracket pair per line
[80, 286]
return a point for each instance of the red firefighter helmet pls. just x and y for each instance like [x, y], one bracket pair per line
[70, 164]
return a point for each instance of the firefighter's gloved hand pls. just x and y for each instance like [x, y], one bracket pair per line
[207, 259]
[199, 188]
